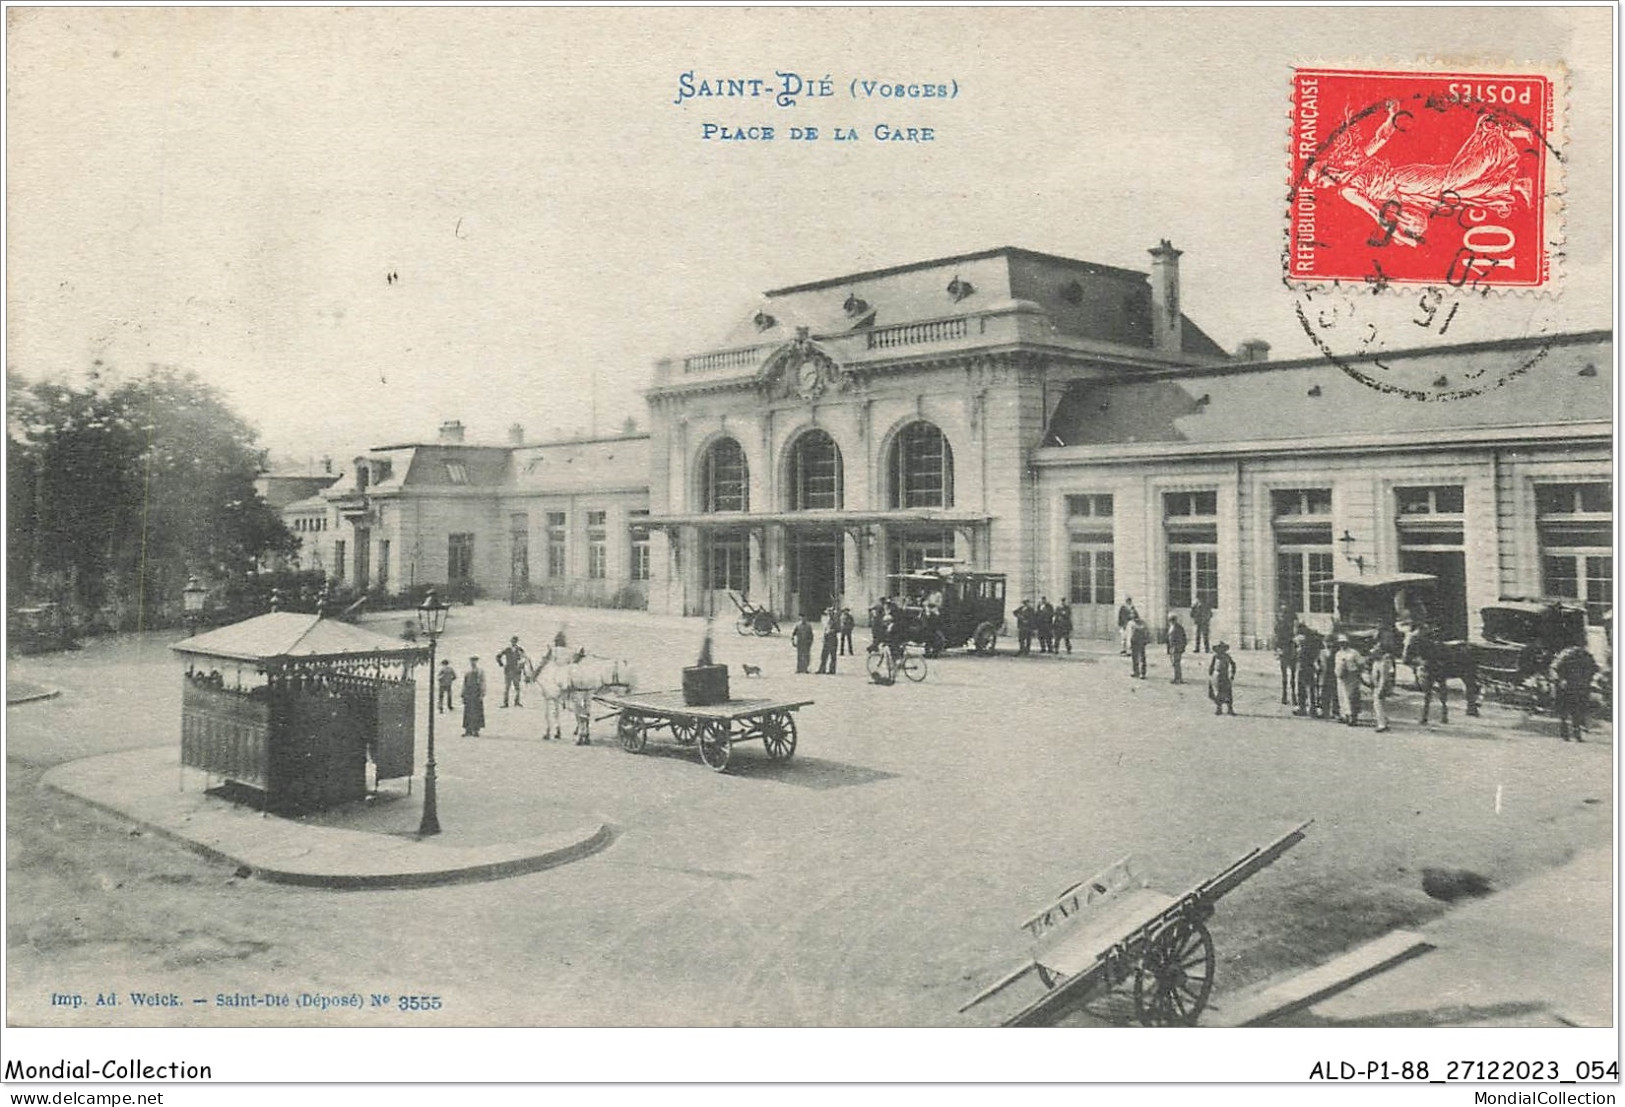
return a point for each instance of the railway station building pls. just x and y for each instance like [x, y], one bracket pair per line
[1058, 421]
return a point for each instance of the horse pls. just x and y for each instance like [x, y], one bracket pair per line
[1437, 661]
[1286, 656]
[563, 676]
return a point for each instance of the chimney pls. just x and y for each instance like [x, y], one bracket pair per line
[516, 434]
[451, 431]
[1253, 349]
[1167, 330]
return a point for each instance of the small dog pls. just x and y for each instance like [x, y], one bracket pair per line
[752, 670]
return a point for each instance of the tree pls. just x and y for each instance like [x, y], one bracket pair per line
[137, 485]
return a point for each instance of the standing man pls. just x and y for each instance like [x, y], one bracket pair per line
[473, 699]
[1125, 615]
[512, 662]
[832, 642]
[1138, 639]
[1044, 623]
[847, 624]
[1570, 672]
[1349, 667]
[1201, 616]
[446, 679]
[1024, 628]
[1063, 626]
[1176, 645]
[1328, 677]
[1382, 684]
[1305, 652]
[802, 639]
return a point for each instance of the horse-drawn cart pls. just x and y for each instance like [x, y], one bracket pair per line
[714, 728]
[1103, 930]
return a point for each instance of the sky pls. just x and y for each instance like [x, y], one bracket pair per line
[231, 191]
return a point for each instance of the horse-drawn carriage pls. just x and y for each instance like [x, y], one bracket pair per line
[943, 608]
[1520, 640]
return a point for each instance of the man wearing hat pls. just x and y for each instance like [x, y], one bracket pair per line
[473, 699]
[446, 679]
[512, 661]
[1176, 645]
[1221, 680]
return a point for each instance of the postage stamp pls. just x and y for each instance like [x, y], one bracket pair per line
[1436, 178]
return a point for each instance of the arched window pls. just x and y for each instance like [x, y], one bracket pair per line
[922, 468]
[724, 477]
[815, 473]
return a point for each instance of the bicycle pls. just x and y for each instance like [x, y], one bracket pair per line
[884, 666]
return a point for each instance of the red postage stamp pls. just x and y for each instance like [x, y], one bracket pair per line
[1437, 178]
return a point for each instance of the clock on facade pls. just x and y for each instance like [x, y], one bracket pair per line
[809, 378]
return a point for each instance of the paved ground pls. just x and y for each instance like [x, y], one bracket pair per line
[877, 879]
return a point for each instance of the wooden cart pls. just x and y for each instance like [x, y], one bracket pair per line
[714, 729]
[1103, 930]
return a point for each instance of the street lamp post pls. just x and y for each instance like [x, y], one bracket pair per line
[192, 597]
[431, 621]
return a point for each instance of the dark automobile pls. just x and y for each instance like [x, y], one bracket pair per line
[944, 608]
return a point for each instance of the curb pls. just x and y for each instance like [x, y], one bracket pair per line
[33, 697]
[561, 848]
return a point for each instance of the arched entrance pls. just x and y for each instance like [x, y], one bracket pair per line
[814, 554]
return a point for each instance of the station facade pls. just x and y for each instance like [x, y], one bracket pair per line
[1058, 421]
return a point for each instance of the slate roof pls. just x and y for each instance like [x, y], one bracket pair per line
[1313, 398]
[1084, 299]
[288, 634]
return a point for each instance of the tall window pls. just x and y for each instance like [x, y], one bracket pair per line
[917, 549]
[922, 468]
[725, 478]
[815, 473]
[1190, 520]
[1303, 549]
[1575, 523]
[597, 545]
[383, 565]
[557, 566]
[459, 558]
[519, 549]
[1092, 577]
[727, 563]
[640, 545]
[338, 561]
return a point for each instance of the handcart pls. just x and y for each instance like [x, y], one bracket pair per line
[714, 728]
[1108, 928]
[753, 618]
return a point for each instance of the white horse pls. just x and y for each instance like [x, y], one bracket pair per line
[566, 676]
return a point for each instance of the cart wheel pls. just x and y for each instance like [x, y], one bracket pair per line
[986, 639]
[876, 666]
[746, 625]
[1175, 975]
[683, 732]
[714, 744]
[632, 733]
[913, 667]
[779, 735]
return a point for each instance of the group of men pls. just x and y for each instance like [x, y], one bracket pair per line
[511, 660]
[838, 627]
[1326, 677]
[1050, 624]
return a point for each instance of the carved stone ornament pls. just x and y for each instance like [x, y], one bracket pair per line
[801, 368]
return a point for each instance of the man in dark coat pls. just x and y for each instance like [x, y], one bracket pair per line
[1306, 655]
[847, 625]
[1570, 672]
[1139, 639]
[473, 699]
[1024, 628]
[1201, 616]
[1176, 646]
[832, 642]
[802, 639]
[1044, 625]
[1063, 627]
[1125, 616]
[446, 679]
